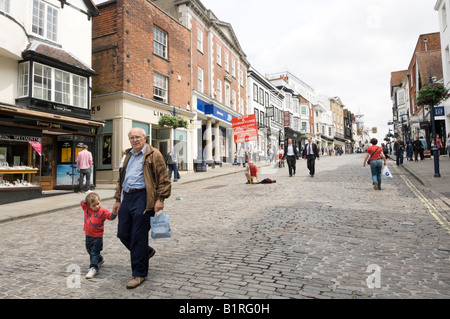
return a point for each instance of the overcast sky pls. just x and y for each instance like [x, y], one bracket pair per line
[345, 48]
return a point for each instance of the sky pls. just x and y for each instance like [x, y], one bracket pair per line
[345, 48]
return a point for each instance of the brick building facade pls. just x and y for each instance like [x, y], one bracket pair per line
[142, 57]
[219, 78]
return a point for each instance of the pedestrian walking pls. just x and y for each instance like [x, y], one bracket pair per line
[240, 155]
[280, 154]
[84, 167]
[447, 145]
[291, 156]
[310, 153]
[439, 144]
[375, 158]
[145, 183]
[399, 148]
[172, 165]
[94, 219]
[418, 149]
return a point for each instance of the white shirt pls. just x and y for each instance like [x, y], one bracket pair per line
[290, 150]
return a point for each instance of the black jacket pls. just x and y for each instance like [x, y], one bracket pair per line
[286, 149]
[315, 150]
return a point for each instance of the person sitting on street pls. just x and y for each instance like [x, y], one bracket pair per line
[251, 173]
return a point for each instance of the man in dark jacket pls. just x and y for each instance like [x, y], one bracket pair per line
[310, 153]
[418, 149]
[399, 148]
[291, 154]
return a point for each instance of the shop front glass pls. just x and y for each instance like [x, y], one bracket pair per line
[67, 149]
[181, 149]
[20, 160]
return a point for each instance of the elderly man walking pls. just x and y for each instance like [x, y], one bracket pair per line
[145, 183]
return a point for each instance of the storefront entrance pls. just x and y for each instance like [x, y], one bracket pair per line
[48, 162]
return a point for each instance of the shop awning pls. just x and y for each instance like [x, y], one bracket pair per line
[48, 118]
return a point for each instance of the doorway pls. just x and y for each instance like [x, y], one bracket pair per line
[48, 168]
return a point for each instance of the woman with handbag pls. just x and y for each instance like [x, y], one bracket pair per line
[375, 158]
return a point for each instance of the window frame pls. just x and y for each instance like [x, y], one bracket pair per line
[200, 80]
[45, 11]
[165, 81]
[199, 39]
[5, 6]
[158, 45]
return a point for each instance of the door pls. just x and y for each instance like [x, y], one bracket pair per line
[48, 162]
[163, 147]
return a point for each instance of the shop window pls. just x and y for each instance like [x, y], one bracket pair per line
[145, 127]
[181, 148]
[105, 146]
[19, 161]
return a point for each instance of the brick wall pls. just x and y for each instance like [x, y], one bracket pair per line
[123, 51]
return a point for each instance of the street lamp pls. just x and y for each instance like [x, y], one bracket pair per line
[435, 150]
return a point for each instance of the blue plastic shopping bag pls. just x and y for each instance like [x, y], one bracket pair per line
[160, 226]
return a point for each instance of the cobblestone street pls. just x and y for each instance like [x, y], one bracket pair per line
[300, 237]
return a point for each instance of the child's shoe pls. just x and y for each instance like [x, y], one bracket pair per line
[92, 272]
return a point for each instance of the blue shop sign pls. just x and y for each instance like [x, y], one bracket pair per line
[214, 111]
[439, 111]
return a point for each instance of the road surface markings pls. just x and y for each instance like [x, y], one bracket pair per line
[442, 220]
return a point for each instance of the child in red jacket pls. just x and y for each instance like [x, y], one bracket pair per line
[94, 219]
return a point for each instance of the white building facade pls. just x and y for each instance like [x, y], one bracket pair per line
[443, 9]
[45, 79]
[266, 102]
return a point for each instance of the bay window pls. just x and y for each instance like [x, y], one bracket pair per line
[53, 85]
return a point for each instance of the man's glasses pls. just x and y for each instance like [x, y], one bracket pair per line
[131, 138]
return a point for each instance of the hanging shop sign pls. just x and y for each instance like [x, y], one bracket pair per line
[245, 128]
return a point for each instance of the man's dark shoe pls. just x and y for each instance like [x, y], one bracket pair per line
[152, 253]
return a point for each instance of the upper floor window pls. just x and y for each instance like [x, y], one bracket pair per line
[400, 97]
[159, 42]
[4, 6]
[219, 54]
[304, 110]
[200, 79]
[45, 20]
[233, 67]
[199, 39]
[444, 16]
[226, 62]
[255, 92]
[160, 87]
[219, 90]
[53, 85]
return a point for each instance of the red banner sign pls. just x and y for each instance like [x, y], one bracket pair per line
[37, 146]
[245, 128]
[287, 118]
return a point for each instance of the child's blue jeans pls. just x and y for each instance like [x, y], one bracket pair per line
[94, 245]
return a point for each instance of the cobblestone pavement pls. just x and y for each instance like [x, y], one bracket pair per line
[331, 236]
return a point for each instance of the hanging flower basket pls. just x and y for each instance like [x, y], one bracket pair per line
[432, 94]
[172, 121]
